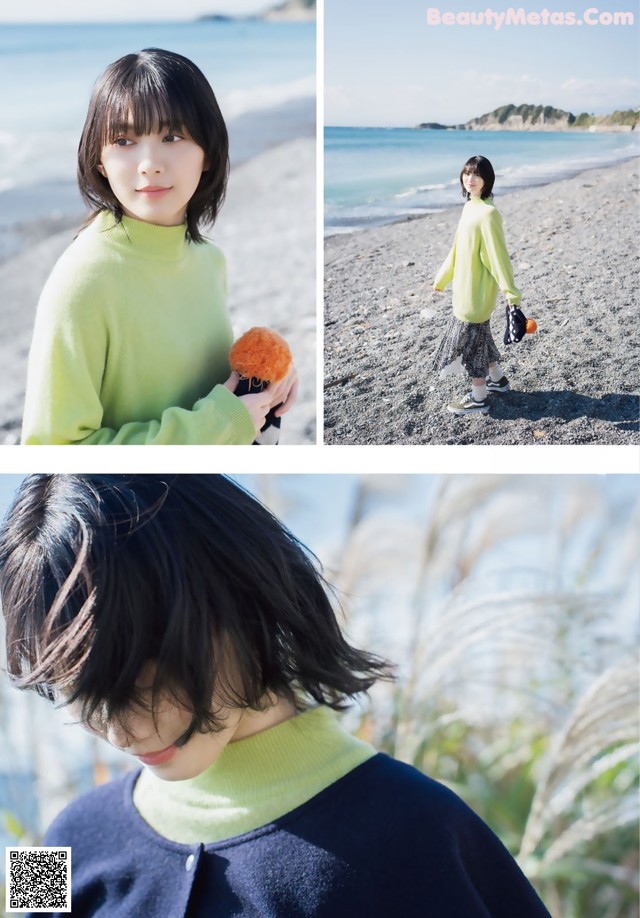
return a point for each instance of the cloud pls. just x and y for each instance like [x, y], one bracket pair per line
[600, 96]
[574, 94]
[398, 106]
[412, 103]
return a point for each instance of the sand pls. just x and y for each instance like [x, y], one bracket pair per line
[268, 236]
[574, 249]
[267, 231]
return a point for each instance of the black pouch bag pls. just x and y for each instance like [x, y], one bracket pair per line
[516, 325]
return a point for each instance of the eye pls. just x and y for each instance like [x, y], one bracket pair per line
[173, 138]
[186, 736]
[122, 142]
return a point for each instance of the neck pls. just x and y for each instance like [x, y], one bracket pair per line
[252, 722]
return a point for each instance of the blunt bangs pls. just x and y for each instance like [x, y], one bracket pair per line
[149, 92]
[146, 102]
[101, 576]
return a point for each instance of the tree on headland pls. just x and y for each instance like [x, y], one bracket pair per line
[292, 9]
[540, 117]
[287, 10]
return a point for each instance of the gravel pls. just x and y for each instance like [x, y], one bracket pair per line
[574, 249]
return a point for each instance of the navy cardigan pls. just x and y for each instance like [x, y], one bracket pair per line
[382, 842]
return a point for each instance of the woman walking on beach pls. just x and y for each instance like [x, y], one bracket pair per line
[132, 332]
[479, 265]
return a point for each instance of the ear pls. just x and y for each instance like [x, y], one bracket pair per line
[101, 170]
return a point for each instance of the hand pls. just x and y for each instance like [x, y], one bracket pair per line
[284, 392]
[257, 404]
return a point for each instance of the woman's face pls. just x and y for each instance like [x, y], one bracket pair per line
[473, 184]
[161, 743]
[153, 176]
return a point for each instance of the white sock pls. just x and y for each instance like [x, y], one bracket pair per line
[496, 373]
[479, 392]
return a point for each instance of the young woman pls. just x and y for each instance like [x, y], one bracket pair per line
[479, 266]
[178, 619]
[132, 331]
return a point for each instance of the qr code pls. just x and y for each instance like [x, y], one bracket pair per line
[38, 880]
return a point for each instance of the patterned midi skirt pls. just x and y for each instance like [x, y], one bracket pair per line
[465, 344]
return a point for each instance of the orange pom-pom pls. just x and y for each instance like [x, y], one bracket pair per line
[531, 326]
[261, 354]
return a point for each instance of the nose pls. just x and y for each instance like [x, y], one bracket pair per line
[149, 166]
[150, 161]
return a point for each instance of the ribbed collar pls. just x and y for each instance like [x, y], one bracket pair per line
[147, 240]
[254, 781]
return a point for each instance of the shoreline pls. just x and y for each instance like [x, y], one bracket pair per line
[332, 232]
[573, 245]
[31, 213]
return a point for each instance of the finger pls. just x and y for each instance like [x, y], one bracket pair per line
[277, 392]
[262, 400]
[289, 400]
[232, 382]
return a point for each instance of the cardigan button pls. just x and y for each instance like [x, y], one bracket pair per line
[189, 863]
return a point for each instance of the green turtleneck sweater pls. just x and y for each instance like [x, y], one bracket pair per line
[478, 263]
[131, 343]
[254, 780]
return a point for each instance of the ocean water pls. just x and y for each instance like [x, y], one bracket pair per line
[375, 176]
[47, 73]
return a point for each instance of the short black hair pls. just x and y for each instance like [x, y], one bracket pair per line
[479, 165]
[157, 90]
[102, 574]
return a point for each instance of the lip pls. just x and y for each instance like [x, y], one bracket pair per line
[158, 758]
[153, 190]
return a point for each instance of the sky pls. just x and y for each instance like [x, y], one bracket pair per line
[386, 66]
[124, 10]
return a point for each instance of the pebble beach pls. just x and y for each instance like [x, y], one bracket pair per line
[574, 250]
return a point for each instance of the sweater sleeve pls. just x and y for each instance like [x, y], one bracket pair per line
[63, 406]
[219, 418]
[495, 258]
[69, 412]
[445, 274]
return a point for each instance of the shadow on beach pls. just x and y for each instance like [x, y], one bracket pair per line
[617, 408]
